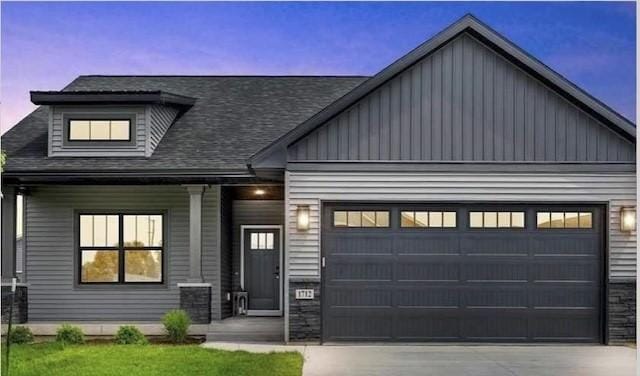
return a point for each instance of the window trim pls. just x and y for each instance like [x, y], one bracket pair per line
[497, 227]
[67, 118]
[428, 211]
[564, 228]
[121, 248]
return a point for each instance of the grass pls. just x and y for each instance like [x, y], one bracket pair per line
[134, 360]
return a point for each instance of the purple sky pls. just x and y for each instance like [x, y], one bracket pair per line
[46, 45]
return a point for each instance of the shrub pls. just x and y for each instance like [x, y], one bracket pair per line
[69, 335]
[130, 335]
[176, 323]
[20, 334]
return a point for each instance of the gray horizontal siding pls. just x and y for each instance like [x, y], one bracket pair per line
[56, 132]
[464, 102]
[252, 212]
[160, 119]
[50, 252]
[312, 188]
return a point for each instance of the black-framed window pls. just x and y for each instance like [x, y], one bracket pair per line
[497, 219]
[125, 248]
[428, 219]
[99, 129]
[564, 220]
[361, 218]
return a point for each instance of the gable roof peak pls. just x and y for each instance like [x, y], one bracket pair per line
[492, 39]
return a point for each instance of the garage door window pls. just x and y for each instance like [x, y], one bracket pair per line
[564, 220]
[432, 219]
[495, 219]
[358, 219]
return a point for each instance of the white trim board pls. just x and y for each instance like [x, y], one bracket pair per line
[279, 311]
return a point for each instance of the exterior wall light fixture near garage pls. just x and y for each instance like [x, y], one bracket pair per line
[303, 217]
[628, 219]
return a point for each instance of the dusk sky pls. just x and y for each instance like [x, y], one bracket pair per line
[46, 45]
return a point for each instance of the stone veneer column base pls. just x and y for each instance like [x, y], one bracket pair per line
[20, 305]
[304, 314]
[195, 299]
[621, 301]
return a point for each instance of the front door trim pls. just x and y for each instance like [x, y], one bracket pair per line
[262, 312]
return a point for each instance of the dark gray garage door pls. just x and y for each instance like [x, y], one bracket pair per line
[495, 282]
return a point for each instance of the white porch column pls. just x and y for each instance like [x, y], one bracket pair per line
[195, 232]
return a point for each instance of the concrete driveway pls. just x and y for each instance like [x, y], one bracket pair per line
[469, 360]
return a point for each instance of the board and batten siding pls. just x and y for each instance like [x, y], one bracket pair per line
[51, 252]
[464, 102]
[312, 188]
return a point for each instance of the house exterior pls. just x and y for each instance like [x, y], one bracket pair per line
[465, 193]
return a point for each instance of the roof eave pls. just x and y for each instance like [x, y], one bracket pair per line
[110, 97]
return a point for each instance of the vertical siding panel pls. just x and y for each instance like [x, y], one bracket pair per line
[499, 135]
[467, 100]
[312, 146]
[581, 139]
[374, 126]
[436, 107]
[550, 128]
[561, 133]
[488, 107]
[343, 128]
[447, 82]
[332, 140]
[416, 99]
[509, 121]
[456, 102]
[395, 120]
[427, 115]
[322, 143]
[539, 123]
[385, 123]
[364, 131]
[405, 116]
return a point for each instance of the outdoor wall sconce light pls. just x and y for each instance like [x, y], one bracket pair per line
[628, 219]
[303, 217]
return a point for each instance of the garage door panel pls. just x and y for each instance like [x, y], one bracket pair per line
[361, 269]
[415, 244]
[494, 326]
[427, 325]
[565, 327]
[576, 244]
[564, 297]
[463, 284]
[359, 243]
[427, 270]
[506, 270]
[568, 270]
[496, 297]
[360, 324]
[427, 297]
[502, 244]
[360, 297]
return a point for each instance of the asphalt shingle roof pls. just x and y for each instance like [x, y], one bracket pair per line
[234, 117]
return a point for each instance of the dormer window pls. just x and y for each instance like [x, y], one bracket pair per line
[99, 129]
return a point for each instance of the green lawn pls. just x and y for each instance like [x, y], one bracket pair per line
[133, 360]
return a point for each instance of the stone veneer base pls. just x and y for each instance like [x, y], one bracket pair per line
[196, 301]
[304, 314]
[621, 312]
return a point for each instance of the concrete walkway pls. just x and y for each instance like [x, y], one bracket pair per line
[436, 360]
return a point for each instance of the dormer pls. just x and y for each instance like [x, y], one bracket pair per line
[109, 123]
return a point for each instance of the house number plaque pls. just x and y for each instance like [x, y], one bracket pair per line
[304, 294]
